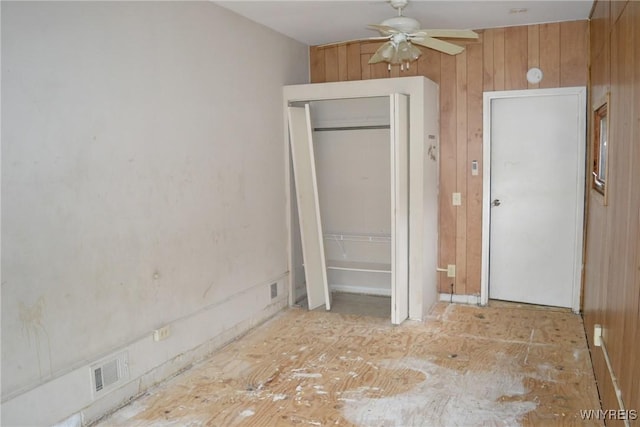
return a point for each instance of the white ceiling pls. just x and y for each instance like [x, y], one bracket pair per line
[316, 22]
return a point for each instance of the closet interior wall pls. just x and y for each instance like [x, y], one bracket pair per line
[352, 153]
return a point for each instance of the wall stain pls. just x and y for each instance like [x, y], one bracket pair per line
[204, 295]
[32, 327]
[156, 284]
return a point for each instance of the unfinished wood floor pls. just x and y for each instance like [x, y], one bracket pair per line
[504, 365]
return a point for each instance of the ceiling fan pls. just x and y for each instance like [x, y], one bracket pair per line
[402, 32]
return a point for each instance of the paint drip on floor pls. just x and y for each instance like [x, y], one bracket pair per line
[451, 398]
[247, 413]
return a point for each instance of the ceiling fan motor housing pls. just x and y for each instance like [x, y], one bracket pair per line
[403, 24]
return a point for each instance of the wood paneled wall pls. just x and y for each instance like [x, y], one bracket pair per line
[612, 270]
[499, 60]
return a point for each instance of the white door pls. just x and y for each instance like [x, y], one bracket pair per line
[536, 191]
[304, 170]
[399, 207]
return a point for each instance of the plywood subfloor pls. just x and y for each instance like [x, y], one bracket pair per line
[465, 365]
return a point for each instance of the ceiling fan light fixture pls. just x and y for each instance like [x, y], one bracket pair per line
[396, 52]
[405, 53]
[402, 33]
[385, 53]
[414, 53]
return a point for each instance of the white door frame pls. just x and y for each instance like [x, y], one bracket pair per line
[399, 154]
[581, 93]
[423, 174]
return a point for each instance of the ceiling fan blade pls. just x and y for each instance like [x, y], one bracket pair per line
[456, 34]
[355, 41]
[385, 30]
[438, 45]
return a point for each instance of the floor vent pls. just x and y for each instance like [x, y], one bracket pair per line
[109, 373]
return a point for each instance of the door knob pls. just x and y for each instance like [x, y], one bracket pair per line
[496, 202]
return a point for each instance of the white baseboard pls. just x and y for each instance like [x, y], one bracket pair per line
[461, 299]
[68, 399]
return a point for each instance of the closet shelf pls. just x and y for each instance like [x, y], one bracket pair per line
[379, 238]
[369, 267]
[342, 128]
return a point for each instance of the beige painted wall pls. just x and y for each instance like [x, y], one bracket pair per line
[143, 184]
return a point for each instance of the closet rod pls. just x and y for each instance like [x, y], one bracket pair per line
[363, 127]
[381, 238]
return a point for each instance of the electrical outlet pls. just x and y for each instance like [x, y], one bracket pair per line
[451, 270]
[274, 290]
[457, 199]
[162, 333]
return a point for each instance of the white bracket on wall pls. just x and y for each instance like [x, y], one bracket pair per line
[597, 335]
[450, 270]
[599, 341]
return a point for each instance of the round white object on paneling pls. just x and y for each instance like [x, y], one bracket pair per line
[534, 75]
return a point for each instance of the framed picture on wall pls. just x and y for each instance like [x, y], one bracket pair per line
[600, 147]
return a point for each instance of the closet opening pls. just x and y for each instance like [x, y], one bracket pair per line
[353, 156]
[355, 192]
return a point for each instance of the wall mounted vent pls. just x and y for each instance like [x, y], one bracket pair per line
[109, 373]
